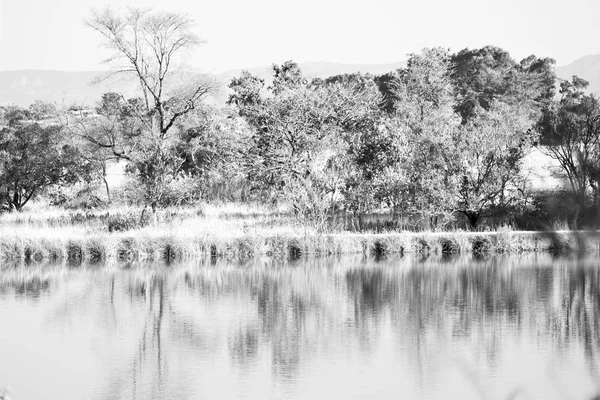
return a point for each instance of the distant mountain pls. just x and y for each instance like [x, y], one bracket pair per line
[63, 87]
[587, 67]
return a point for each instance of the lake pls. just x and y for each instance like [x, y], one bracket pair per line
[525, 327]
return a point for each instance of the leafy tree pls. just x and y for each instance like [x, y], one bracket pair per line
[357, 80]
[108, 135]
[287, 76]
[32, 158]
[298, 144]
[423, 123]
[14, 116]
[480, 77]
[212, 143]
[437, 162]
[571, 136]
[497, 99]
[40, 110]
[363, 145]
[387, 85]
[287, 140]
[246, 91]
[484, 76]
[542, 77]
[150, 44]
[489, 150]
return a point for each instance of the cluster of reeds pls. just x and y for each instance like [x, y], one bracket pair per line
[158, 245]
[239, 232]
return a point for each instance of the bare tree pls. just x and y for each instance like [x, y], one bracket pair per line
[150, 47]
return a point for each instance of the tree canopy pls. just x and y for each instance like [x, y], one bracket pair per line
[33, 157]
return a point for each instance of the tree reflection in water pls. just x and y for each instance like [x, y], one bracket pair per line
[166, 327]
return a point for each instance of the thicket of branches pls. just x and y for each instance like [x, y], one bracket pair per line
[441, 141]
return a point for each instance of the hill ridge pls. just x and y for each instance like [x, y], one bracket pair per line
[23, 87]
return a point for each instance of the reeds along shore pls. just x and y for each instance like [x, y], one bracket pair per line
[240, 232]
[159, 246]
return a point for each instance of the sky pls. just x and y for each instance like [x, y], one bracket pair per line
[51, 34]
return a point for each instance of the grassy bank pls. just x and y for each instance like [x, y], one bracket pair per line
[156, 245]
[240, 232]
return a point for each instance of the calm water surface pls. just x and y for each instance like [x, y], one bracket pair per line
[501, 328]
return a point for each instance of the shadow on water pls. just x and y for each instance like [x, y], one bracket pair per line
[292, 315]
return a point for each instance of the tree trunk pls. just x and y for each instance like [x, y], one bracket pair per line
[472, 217]
[16, 201]
[597, 214]
[107, 189]
[142, 216]
[596, 205]
[105, 183]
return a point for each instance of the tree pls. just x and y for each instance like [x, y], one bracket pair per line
[387, 85]
[423, 123]
[107, 135]
[298, 146]
[497, 99]
[212, 143]
[40, 110]
[32, 158]
[289, 131]
[571, 136]
[246, 91]
[455, 137]
[363, 146]
[287, 76]
[487, 75]
[489, 150]
[149, 45]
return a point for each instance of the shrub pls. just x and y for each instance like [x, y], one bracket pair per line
[76, 197]
[481, 246]
[127, 222]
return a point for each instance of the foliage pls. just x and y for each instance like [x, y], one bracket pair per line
[211, 140]
[118, 222]
[484, 76]
[79, 196]
[300, 136]
[37, 111]
[489, 151]
[425, 141]
[571, 134]
[431, 144]
[460, 130]
[425, 123]
[246, 91]
[32, 158]
[288, 76]
[404, 155]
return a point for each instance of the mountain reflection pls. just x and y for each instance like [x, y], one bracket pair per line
[166, 333]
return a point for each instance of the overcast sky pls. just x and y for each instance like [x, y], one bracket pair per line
[51, 34]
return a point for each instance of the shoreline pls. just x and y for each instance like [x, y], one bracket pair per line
[169, 247]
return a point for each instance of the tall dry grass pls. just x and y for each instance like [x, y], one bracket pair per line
[239, 232]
